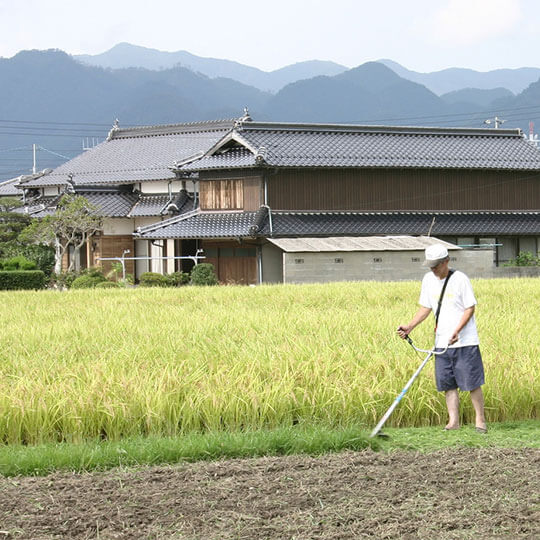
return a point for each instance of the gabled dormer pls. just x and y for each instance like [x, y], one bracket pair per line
[231, 179]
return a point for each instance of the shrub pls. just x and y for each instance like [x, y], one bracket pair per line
[203, 274]
[153, 279]
[21, 279]
[43, 256]
[66, 279]
[88, 281]
[525, 258]
[176, 279]
[18, 263]
[108, 285]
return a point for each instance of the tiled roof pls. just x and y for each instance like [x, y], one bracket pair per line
[111, 204]
[136, 154]
[358, 243]
[157, 205]
[410, 223]
[149, 205]
[108, 203]
[40, 207]
[202, 225]
[9, 189]
[311, 224]
[305, 145]
[232, 158]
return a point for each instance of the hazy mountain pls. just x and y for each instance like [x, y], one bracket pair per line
[366, 94]
[125, 55]
[476, 96]
[451, 79]
[54, 101]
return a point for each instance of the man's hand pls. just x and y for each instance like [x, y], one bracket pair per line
[403, 330]
[453, 338]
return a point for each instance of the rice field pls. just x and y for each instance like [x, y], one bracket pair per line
[90, 364]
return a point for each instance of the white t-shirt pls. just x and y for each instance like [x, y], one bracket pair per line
[458, 296]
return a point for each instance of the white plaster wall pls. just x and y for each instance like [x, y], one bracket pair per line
[120, 226]
[144, 221]
[141, 250]
[53, 190]
[162, 186]
[170, 253]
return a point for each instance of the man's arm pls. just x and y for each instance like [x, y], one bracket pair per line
[465, 318]
[405, 329]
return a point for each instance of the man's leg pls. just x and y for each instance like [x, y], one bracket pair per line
[452, 404]
[477, 398]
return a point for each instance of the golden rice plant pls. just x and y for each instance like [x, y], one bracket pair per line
[90, 364]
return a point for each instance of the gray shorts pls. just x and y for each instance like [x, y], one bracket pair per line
[460, 367]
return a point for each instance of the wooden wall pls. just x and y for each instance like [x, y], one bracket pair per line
[113, 246]
[234, 263]
[402, 189]
[234, 193]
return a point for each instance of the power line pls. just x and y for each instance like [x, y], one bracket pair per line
[56, 123]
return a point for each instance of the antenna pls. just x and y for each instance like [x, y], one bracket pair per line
[495, 121]
[88, 145]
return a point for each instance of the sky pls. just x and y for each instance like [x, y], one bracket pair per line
[422, 35]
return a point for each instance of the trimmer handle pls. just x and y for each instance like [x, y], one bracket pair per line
[432, 351]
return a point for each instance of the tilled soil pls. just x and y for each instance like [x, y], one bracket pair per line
[461, 493]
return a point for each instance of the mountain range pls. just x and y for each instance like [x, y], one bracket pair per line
[55, 100]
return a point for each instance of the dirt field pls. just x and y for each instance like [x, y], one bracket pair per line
[449, 494]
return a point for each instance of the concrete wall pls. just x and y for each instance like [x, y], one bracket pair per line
[514, 272]
[319, 267]
[272, 264]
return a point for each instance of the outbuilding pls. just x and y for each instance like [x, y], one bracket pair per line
[378, 258]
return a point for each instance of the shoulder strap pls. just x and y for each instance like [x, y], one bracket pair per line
[450, 272]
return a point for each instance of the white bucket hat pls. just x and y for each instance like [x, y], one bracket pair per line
[435, 254]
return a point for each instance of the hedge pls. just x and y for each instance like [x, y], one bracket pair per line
[22, 279]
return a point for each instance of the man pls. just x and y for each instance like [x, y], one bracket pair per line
[461, 365]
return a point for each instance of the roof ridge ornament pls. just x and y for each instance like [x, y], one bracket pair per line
[245, 118]
[114, 129]
[260, 157]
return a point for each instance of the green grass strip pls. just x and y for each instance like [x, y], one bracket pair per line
[311, 440]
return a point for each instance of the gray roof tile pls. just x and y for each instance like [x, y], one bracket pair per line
[111, 204]
[290, 224]
[304, 145]
[149, 205]
[202, 225]
[9, 189]
[158, 205]
[410, 223]
[136, 154]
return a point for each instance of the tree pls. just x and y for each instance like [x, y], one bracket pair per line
[11, 223]
[73, 223]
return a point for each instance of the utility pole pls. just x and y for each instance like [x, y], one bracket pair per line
[495, 121]
[34, 165]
